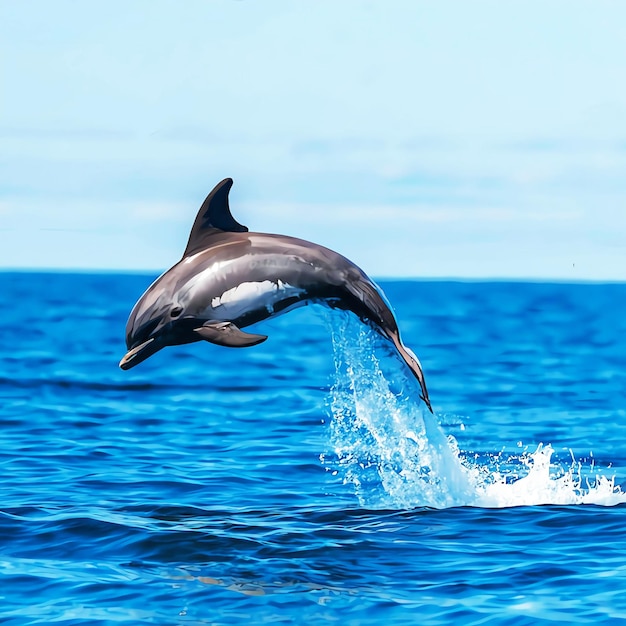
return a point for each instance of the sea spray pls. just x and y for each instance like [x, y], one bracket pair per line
[532, 478]
[384, 441]
[392, 450]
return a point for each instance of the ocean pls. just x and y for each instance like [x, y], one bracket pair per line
[302, 480]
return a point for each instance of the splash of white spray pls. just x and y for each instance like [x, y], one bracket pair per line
[395, 455]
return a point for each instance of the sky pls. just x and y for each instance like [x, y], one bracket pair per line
[454, 139]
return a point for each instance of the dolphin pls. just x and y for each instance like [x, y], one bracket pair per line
[230, 278]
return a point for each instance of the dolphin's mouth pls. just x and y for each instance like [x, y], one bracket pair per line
[140, 353]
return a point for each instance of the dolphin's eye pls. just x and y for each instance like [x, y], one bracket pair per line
[176, 311]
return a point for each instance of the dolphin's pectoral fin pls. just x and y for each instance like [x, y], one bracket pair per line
[214, 216]
[227, 334]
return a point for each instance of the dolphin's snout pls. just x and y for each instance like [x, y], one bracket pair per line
[139, 353]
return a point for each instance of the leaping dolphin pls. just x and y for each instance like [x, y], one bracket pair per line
[230, 278]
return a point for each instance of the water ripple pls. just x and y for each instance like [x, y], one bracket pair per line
[288, 483]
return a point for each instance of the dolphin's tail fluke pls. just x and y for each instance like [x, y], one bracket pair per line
[414, 365]
[371, 305]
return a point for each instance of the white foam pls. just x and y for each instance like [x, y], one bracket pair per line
[395, 455]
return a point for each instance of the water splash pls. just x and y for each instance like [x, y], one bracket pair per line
[391, 449]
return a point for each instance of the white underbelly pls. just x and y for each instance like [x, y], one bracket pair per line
[250, 296]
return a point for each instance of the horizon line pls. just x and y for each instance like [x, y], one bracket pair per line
[388, 278]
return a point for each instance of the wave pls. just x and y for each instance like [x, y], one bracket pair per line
[396, 456]
[131, 386]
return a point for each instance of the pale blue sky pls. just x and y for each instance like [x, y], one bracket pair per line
[456, 139]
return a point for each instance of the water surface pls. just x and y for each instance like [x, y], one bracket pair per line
[301, 479]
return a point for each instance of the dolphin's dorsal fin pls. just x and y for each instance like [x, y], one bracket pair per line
[214, 215]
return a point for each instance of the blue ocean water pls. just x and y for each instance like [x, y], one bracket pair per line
[302, 481]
